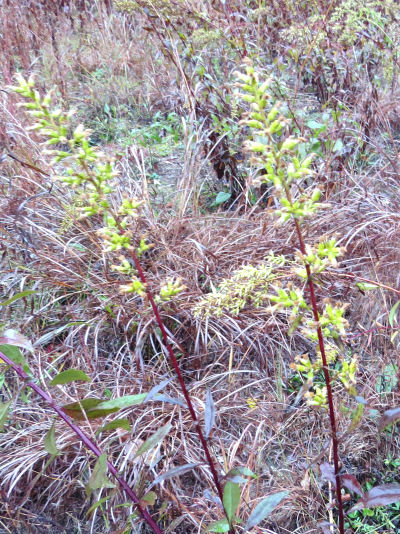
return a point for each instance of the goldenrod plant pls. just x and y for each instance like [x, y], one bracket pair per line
[90, 174]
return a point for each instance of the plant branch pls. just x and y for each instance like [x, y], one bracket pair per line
[332, 418]
[86, 440]
[178, 371]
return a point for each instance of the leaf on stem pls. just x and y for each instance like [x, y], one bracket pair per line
[98, 479]
[378, 496]
[231, 499]
[4, 410]
[388, 418]
[18, 296]
[222, 525]
[50, 441]
[153, 440]
[71, 375]
[264, 508]
[209, 413]
[118, 423]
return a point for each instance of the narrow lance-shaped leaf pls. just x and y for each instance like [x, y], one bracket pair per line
[237, 474]
[95, 408]
[378, 496]
[209, 414]
[18, 296]
[222, 525]
[4, 409]
[118, 423]
[153, 440]
[176, 471]
[50, 441]
[388, 418]
[170, 400]
[98, 478]
[264, 508]
[71, 375]
[231, 499]
[392, 313]
[156, 389]
[96, 505]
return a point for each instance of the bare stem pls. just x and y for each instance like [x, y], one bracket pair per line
[86, 440]
[175, 365]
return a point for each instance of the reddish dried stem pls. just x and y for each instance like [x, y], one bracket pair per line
[86, 440]
[175, 365]
[332, 418]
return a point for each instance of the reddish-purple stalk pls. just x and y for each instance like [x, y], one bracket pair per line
[175, 365]
[86, 440]
[332, 418]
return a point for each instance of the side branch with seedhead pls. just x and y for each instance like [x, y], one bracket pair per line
[275, 154]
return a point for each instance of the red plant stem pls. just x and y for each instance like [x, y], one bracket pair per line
[332, 418]
[89, 444]
[175, 364]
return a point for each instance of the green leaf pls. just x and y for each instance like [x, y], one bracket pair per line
[315, 125]
[338, 146]
[122, 402]
[98, 478]
[149, 499]
[222, 525]
[80, 410]
[222, 197]
[78, 246]
[97, 504]
[50, 441]
[231, 499]
[153, 440]
[71, 375]
[4, 409]
[15, 355]
[17, 297]
[118, 423]
[264, 508]
[241, 471]
[392, 313]
[364, 286]
[95, 408]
